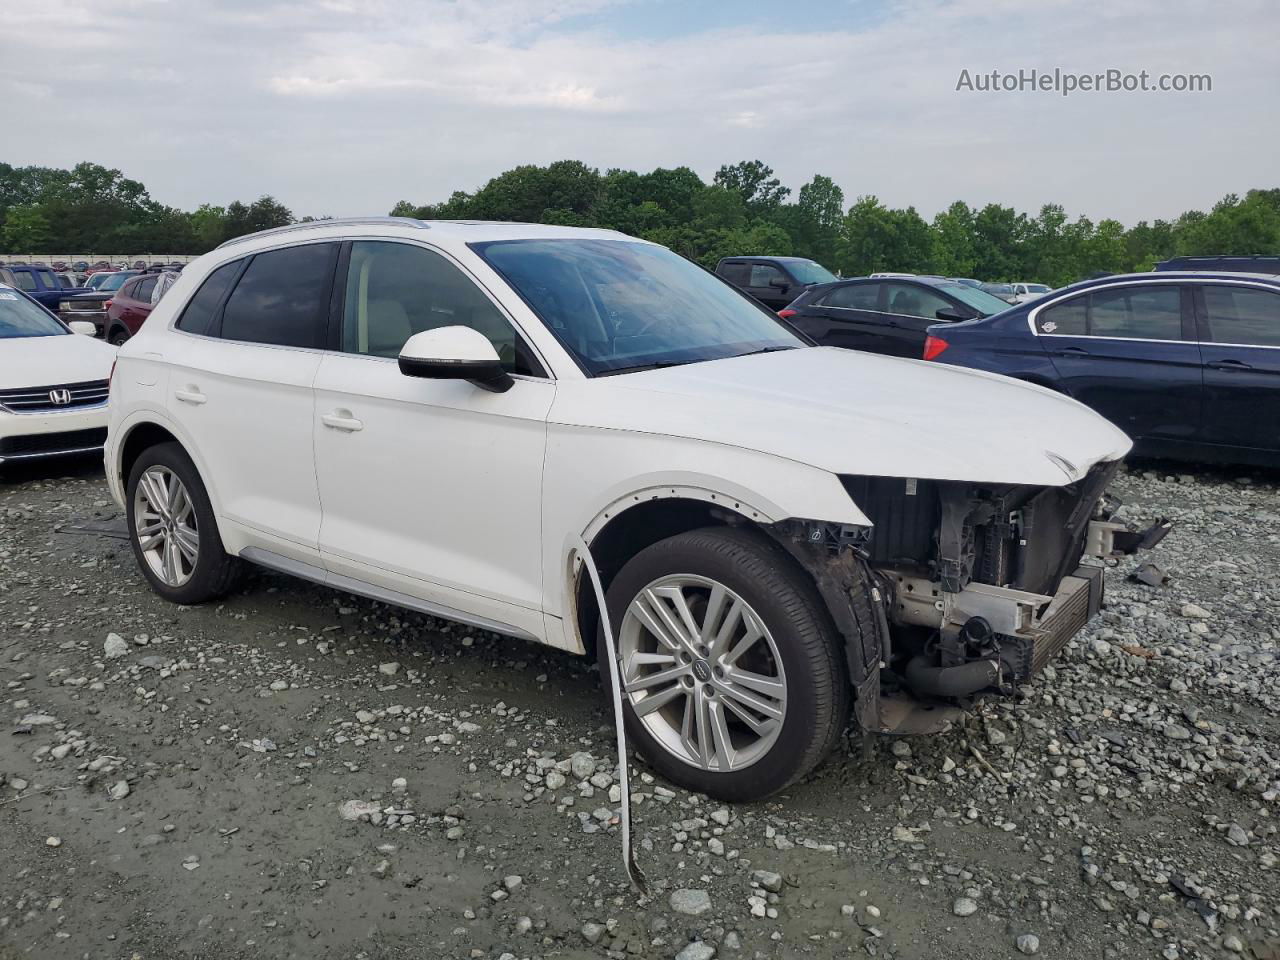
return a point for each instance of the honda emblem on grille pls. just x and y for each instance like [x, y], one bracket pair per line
[60, 398]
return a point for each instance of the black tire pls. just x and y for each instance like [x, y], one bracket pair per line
[773, 584]
[215, 571]
[118, 337]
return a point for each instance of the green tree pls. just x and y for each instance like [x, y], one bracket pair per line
[27, 228]
[761, 191]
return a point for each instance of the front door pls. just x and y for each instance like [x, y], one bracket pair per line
[768, 284]
[1129, 352]
[430, 488]
[1240, 343]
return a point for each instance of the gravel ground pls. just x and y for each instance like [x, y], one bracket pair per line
[299, 773]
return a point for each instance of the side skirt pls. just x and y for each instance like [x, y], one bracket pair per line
[307, 571]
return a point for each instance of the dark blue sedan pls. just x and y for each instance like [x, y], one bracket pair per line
[1187, 364]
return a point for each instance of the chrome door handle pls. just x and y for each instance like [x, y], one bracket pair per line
[190, 396]
[339, 422]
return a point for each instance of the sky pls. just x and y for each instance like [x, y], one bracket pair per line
[343, 107]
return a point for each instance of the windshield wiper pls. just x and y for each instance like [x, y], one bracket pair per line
[752, 353]
[637, 368]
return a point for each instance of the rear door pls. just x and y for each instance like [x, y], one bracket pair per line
[1239, 329]
[768, 284]
[848, 316]
[1129, 351]
[241, 387]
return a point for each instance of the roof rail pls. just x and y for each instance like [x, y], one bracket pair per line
[338, 222]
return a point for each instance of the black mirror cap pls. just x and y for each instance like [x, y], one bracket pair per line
[780, 285]
[952, 314]
[485, 374]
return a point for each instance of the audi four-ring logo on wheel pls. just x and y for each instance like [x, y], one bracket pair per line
[60, 397]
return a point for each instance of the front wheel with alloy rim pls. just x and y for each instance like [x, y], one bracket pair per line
[731, 680]
[172, 528]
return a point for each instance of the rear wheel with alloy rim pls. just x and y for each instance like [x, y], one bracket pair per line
[172, 528]
[731, 681]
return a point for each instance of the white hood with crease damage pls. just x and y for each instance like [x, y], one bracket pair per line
[850, 412]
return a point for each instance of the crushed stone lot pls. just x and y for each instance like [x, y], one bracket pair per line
[296, 772]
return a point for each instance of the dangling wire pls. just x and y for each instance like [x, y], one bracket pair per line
[582, 554]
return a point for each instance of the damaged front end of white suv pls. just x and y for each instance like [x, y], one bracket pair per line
[959, 590]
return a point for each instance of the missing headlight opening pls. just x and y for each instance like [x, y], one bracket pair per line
[959, 590]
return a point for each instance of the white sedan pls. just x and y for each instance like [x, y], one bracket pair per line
[53, 383]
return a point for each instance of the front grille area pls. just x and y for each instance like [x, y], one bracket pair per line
[48, 444]
[45, 399]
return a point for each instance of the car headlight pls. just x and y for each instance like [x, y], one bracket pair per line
[64, 306]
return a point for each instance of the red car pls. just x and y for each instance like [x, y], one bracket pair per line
[133, 303]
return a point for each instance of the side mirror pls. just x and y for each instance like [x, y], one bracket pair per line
[950, 314]
[780, 285]
[83, 327]
[454, 353]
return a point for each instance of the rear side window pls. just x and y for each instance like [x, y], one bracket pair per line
[1070, 319]
[198, 315]
[736, 273]
[283, 298]
[1243, 315]
[1126, 313]
[856, 296]
[1140, 313]
[26, 279]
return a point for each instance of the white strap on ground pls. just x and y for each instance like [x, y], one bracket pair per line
[582, 553]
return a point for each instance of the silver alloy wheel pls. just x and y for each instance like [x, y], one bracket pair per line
[702, 672]
[164, 522]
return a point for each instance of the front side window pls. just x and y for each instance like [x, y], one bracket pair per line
[1139, 313]
[49, 280]
[618, 305]
[19, 317]
[395, 290]
[197, 316]
[910, 300]
[1243, 315]
[283, 297]
[26, 279]
[763, 274]
[65, 281]
[854, 296]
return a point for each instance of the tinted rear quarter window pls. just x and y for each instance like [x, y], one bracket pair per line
[1243, 315]
[1070, 319]
[282, 298]
[197, 316]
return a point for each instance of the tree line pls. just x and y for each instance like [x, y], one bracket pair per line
[745, 209]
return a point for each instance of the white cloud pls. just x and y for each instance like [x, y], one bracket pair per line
[344, 107]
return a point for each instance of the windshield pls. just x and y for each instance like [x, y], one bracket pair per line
[980, 300]
[115, 281]
[810, 271]
[618, 305]
[19, 317]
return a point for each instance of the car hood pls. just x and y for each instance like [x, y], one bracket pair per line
[849, 412]
[49, 361]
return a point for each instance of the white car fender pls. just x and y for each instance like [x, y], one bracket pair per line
[582, 461]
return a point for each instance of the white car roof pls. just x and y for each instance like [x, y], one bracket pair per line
[439, 231]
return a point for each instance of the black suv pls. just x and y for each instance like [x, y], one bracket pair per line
[774, 281]
[886, 315]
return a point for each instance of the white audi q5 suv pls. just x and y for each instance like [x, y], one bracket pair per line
[432, 414]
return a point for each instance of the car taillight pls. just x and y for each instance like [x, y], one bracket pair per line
[786, 314]
[933, 347]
